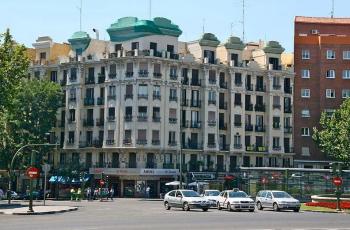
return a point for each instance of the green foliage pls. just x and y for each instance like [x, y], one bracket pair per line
[333, 137]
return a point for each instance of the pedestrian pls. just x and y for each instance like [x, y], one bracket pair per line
[111, 193]
[72, 194]
[1, 193]
[88, 193]
[148, 189]
[95, 193]
[78, 196]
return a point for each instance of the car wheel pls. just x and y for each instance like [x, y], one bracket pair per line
[167, 206]
[251, 210]
[218, 206]
[229, 207]
[296, 210]
[260, 207]
[275, 207]
[205, 209]
[186, 207]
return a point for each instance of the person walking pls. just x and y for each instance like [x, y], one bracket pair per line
[78, 197]
[111, 193]
[72, 194]
[148, 190]
[1, 193]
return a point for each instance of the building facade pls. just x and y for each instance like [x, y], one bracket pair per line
[137, 104]
[322, 57]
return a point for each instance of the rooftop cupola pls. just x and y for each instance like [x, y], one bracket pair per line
[273, 47]
[79, 41]
[209, 39]
[234, 43]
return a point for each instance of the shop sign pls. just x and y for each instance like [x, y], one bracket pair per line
[203, 176]
[134, 172]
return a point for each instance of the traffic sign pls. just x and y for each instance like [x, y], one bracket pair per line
[33, 172]
[264, 180]
[337, 181]
[46, 167]
[102, 182]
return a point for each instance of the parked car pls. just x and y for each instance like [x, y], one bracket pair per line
[14, 195]
[185, 199]
[276, 200]
[235, 200]
[37, 195]
[212, 196]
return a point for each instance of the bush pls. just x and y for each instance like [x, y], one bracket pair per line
[332, 205]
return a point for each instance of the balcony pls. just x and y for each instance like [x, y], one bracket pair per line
[260, 88]
[128, 118]
[172, 120]
[196, 83]
[184, 102]
[71, 121]
[211, 145]
[185, 80]
[70, 143]
[276, 148]
[141, 142]
[86, 144]
[223, 105]
[172, 98]
[112, 75]
[100, 122]
[101, 78]
[250, 148]
[142, 118]
[211, 102]
[129, 74]
[249, 87]
[261, 149]
[185, 124]
[276, 106]
[249, 127]
[212, 81]
[156, 97]
[238, 103]
[156, 119]
[172, 143]
[276, 126]
[155, 142]
[223, 85]
[89, 80]
[88, 122]
[73, 79]
[143, 73]
[109, 142]
[237, 124]
[129, 96]
[222, 126]
[89, 101]
[260, 128]
[173, 77]
[111, 97]
[288, 129]
[224, 147]
[288, 149]
[151, 165]
[287, 109]
[192, 145]
[288, 90]
[142, 96]
[127, 141]
[260, 107]
[212, 123]
[100, 101]
[63, 82]
[168, 166]
[196, 103]
[72, 99]
[239, 83]
[111, 118]
[276, 87]
[97, 143]
[237, 146]
[195, 124]
[157, 75]
[249, 107]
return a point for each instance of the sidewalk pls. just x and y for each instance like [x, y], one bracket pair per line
[19, 209]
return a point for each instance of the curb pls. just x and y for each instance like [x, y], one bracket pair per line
[41, 213]
[335, 212]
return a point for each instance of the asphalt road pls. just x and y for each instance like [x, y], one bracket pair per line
[140, 214]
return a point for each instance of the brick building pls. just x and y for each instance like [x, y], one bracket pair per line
[322, 81]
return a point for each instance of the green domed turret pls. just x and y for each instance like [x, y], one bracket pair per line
[79, 41]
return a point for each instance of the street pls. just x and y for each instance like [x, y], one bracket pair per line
[144, 214]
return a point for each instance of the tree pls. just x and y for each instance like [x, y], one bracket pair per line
[333, 137]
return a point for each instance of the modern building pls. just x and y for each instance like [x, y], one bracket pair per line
[322, 81]
[132, 105]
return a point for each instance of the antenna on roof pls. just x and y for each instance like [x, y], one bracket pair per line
[203, 26]
[231, 28]
[243, 20]
[80, 12]
[332, 13]
[150, 10]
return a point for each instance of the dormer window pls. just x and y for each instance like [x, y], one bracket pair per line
[153, 46]
[170, 49]
[234, 58]
[43, 55]
[118, 47]
[134, 46]
[210, 55]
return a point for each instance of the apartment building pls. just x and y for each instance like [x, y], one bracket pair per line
[132, 105]
[322, 57]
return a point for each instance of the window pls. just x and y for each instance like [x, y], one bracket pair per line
[127, 136]
[329, 112]
[110, 135]
[305, 151]
[42, 55]
[53, 76]
[172, 95]
[305, 132]
[345, 93]
[346, 54]
[72, 115]
[305, 73]
[111, 112]
[143, 90]
[276, 101]
[346, 74]
[142, 135]
[112, 90]
[276, 142]
[330, 93]
[305, 54]
[155, 135]
[330, 54]
[330, 73]
[276, 122]
[305, 93]
[134, 46]
[211, 138]
[237, 120]
[71, 137]
[172, 135]
[237, 139]
[305, 113]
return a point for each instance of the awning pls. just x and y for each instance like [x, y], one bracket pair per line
[59, 179]
[81, 180]
[198, 183]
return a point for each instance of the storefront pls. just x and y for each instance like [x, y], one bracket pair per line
[133, 182]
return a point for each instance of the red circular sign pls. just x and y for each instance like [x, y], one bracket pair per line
[337, 181]
[102, 182]
[264, 180]
[33, 172]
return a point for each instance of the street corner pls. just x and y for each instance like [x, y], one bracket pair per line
[39, 210]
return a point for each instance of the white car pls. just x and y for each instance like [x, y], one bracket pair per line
[212, 196]
[185, 199]
[235, 200]
[277, 200]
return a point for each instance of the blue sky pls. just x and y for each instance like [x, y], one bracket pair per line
[265, 19]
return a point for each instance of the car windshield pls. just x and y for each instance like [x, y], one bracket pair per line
[238, 194]
[190, 194]
[212, 193]
[281, 195]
